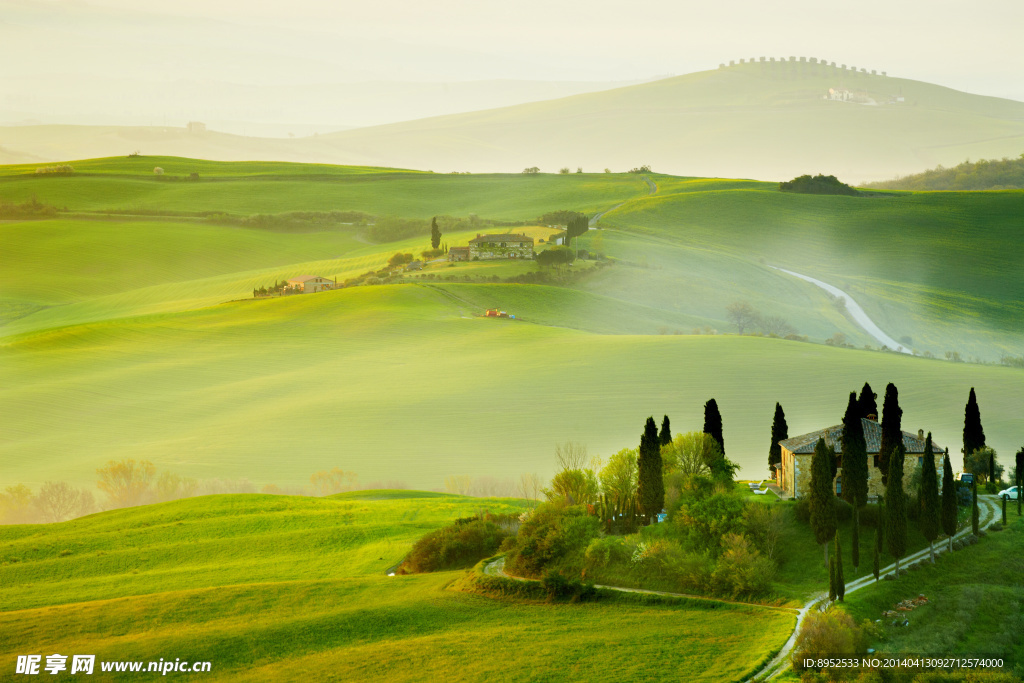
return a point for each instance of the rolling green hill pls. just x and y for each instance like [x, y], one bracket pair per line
[753, 120]
[286, 588]
[137, 336]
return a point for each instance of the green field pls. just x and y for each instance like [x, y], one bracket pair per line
[138, 338]
[286, 588]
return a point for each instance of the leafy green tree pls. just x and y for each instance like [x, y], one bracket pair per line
[691, 453]
[892, 435]
[665, 435]
[435, 234]
[651, 485]
[619, 477]
[577, 226]
[713, 423]
[866, 402]
[840, 580]
[780, 432]
[974, 434]
[984, 464]
[822, 501]
[896, 508]
[855, 541]
[930, 513]
[855, 455]
[975, 517]
[576, 487]
[948, 500]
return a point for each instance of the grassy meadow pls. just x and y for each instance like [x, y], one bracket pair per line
[283, 588]
[137, 337]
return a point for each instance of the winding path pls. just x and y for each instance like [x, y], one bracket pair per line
[781, 661]
[859, 316]
[652, 188]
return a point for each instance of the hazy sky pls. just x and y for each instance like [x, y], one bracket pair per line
[968, 46]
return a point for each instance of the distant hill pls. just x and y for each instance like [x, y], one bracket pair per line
[984, 174]
[769, 121]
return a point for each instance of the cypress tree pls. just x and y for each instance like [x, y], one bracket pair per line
[866, 403]
[892, 435]
[780, 432]
[896, 508]
[875, 568]
[840, 580]
[822, 500]
[665, 435]
[992, 467]
[974, 435]
[1020, 478]
[435, 234]
[831, 579]
[650, 485]
[855, 541]
[1004, 510]
[975, 518]
[929, 517]
[855, 455]
[948, 500]
[713, 423]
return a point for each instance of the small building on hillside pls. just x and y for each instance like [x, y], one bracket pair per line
[311, 283]
[503, 246]
[458, 254]
[793, 475]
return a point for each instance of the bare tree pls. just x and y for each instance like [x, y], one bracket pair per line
[777, 325]
[742, 315]
[126, 482]
[530, 485]
[326, 483]
[56, 501]
[571, 455]
[459, 484]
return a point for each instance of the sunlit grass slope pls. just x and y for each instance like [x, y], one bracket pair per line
[402, 381]
[270, 187]
[283, 588]
[938, 267]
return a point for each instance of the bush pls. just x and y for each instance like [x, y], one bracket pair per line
[832, 634]
[605, 551]
[400, 259]
[553, 534]
[819, 184]
[559, 587]
[741, 570]
[459, 545]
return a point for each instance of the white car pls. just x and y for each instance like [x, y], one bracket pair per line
[1010, 493]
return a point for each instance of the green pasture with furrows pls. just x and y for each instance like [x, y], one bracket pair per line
[139, 338]
[281, 588]
[403, 379]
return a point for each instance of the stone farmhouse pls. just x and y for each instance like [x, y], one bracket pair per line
[490, 247]
[793, 475]
[311, 283]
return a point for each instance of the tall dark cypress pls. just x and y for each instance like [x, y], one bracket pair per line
[974, 434]
[896, 508]
[948, 500]
[665, 435]
[831, 579]
[822, 500]
[855, 455]
[435, 234]
[713, 423]
[975, 517]
[650, 486]
[840, 580]
[1020, 478]
[876, 563]
[855, 541]
[866, 403]
[780, 432]
[892, 435]
[929, 517]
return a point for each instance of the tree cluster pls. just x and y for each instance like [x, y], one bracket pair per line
[984, 174]
[819, 184]
[746, 317]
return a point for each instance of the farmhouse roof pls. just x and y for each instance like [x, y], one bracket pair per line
[805, 443]
[506, 237]
[458, 249]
